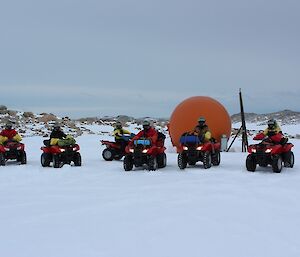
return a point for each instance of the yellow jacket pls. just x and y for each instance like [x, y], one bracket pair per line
[276, 130]
[17, 138]
[118, 133]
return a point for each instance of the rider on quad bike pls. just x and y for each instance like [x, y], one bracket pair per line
[9, 134]
[274, 133]
[10, 146]
[273, 150]
[116, 150]
[198, 145]
[60, 149]
[147, 147]
[202, 130]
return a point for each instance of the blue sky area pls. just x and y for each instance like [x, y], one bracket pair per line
[142, 58]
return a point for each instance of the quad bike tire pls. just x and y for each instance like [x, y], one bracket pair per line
[108, 154]
[289, 159]
[23, 158]
[128, 163]
[182, 161]
[216, 158]
[277, 164]
[45, 159]
[77, 159]
[250, 163]
[161, 160]
[56, 161]
[206, 160]
[2, 160]
[152, 163]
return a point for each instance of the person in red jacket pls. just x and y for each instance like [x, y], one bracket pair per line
[147, 132]
[9, 134]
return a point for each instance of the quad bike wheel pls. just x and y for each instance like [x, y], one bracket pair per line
[77, 159]
[128, 163]
[45, 159]
[56, 161]
[207, 160]
[181, 161]
[23, 158]
[152, 163]
[161, 160]
[277, 163]
[2, 160]
[289, 159]
[250, 163]
[216, 158]
[108, 154]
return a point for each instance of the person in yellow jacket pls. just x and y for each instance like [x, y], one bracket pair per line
[9, 134]
[272, 129]
[118, 134]
[202, 130]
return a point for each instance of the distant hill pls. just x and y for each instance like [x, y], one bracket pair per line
[284, 117]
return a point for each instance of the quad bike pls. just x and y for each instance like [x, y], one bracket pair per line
[60, 155]
[270, 151]
[142, 151]
[192, 150]
[12, 150]
[115, 150]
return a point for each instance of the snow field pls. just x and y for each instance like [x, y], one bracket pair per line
[101, 210]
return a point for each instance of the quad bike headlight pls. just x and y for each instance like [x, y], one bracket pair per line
[131, 150]
[145, 151]
[6, 149]
[199, 148]
[253, 150]
[19, 148]
[268, 151]
[62, 150]
[185, 148]
[74, 148]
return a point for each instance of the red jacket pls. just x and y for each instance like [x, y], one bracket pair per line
[9, 133]
[150, 134]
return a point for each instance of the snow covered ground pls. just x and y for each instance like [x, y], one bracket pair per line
[100, 210]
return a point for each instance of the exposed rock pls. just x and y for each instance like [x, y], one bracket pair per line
[28, 115]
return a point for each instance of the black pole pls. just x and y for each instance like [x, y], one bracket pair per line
[234, 139]
[244, 129]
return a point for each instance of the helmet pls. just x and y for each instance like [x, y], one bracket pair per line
[201, 120]
[56, 126]
[8, 125]
[118, 125]
[272, 123]
[146, 124]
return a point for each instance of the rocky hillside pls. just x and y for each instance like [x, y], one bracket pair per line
[30, 124]
[284, 117]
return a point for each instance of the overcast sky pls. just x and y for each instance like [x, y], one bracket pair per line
[143, 57]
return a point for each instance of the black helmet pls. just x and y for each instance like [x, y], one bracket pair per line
[272, 123]
[8, 125]
[146, 124]
[56, 126]
[201, 121]
[118, 125]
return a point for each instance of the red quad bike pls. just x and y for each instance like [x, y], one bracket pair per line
[60, 155]
[192, 150]
[143, 152]
[12, 150]
[114, 150]
[272, 150]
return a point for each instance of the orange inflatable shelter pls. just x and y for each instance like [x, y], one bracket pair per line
[185, 117]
